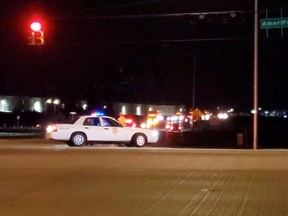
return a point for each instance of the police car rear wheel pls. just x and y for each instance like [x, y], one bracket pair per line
[139, 140]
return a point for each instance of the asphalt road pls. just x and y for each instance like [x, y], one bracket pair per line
[40, 177]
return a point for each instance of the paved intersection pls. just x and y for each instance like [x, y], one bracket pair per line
[48, 178]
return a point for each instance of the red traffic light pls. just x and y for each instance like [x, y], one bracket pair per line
[36, 26]
[35, 35]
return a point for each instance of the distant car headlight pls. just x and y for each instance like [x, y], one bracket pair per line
[222, 115]
[155, 133]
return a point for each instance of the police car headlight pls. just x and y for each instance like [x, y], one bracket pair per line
[51, 128]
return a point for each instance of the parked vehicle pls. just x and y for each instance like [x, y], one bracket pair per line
[89, 129]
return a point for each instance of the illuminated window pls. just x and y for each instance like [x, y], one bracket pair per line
[4, 107]
[37, 106]
[124, 110]
[138, 110]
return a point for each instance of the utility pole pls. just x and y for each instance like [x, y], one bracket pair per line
[255, 117]
[194, 82]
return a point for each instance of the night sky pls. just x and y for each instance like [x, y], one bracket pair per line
[122, 51]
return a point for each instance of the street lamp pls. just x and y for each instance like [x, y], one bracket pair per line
[55, 102]
[49, 101]
[194, 82]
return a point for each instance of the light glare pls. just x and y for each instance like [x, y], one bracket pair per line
[35, 26]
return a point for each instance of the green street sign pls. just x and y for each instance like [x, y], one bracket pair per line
[274, 23]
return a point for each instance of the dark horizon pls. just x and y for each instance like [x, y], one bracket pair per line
[146, 60]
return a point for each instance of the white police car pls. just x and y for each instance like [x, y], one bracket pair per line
[89, 129]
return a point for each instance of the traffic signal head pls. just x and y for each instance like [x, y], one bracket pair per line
[35, 34]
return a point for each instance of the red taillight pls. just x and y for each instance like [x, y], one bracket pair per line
[129, 121]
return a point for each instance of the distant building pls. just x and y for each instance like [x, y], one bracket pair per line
[12, 103]
[143, 109]
[37, 104]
